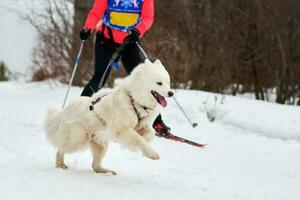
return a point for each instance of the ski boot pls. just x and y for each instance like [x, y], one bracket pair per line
[161, 128]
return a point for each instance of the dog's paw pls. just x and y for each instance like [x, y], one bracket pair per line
[62, 166]
[152, 154]
[104, 171]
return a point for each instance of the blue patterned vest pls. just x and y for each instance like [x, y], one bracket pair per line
[123, 15]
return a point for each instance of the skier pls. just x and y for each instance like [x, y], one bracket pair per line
[122, 20]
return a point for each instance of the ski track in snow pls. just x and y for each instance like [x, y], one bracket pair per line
[240, 162]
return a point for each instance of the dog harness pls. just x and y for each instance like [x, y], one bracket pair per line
[97, 101]
[147, 109]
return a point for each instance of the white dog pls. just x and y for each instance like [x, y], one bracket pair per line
[124, 114]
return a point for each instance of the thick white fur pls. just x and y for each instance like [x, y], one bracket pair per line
[113, 118]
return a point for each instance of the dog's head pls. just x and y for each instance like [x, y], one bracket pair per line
[150, 83]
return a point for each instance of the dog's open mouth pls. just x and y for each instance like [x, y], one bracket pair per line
[160, 99]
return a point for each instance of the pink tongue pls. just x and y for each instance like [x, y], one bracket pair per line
[162, 101]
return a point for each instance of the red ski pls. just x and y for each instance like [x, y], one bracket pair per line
[170, 136]
[166, 134]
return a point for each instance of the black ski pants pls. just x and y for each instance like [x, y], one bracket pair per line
[104, 49]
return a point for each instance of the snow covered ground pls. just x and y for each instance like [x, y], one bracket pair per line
[253, 152]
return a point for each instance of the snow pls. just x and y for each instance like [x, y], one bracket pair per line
[253, 152]
[18, 37]
[258, 117]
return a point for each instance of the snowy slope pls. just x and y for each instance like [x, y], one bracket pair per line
[239, 163]
[17, 36]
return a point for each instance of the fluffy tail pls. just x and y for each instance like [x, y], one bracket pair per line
[51, 125]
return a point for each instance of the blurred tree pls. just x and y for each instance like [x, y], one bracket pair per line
[232, 46]
[3, 72]
[58, 26]
[52, 57]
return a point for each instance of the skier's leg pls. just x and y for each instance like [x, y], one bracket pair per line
[103, 54]
[131, 57]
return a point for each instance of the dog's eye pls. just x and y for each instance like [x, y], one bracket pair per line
[159, 83]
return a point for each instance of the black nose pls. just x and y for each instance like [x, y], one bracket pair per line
[171, 94]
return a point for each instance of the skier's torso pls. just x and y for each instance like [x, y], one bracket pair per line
[121, 16]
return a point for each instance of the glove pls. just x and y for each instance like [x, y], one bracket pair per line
[133, 36]
[84, 34]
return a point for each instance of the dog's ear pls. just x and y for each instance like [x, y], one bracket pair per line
[158, 62]
[147, 61]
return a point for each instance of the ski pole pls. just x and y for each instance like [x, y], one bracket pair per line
[74, 71]
[194, 125]
[113, 59]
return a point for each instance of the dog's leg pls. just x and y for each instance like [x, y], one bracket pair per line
[132, 140]
[60, 160]
[147, 133]
[98, 151]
